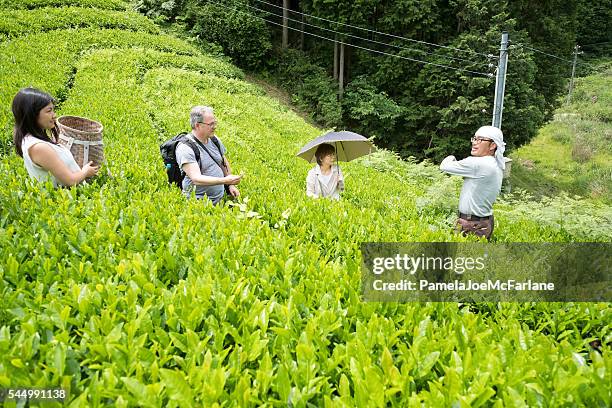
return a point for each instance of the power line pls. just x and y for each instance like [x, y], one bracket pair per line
[366, 39]
[559, 58]
[378, 32]
[545, 53]
[550, 55]
[357, 46]
[590, 45]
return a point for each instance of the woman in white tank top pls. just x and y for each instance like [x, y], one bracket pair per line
[35, 137]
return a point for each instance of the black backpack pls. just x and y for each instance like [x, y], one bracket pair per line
[168, 153]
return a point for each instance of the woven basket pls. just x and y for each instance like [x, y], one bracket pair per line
[83, 137]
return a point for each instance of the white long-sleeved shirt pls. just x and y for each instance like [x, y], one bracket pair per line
[318, 185]
[482, 180]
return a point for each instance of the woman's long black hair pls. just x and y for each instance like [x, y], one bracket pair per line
[27, 104]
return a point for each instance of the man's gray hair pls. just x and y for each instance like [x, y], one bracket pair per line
[197, 114]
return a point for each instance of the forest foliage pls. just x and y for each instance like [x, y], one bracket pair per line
[413, 108]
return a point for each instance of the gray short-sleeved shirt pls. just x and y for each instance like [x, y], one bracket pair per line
[208, 167]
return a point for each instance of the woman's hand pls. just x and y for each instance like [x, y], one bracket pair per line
[89, 170]
[47, 158]
[340, 181]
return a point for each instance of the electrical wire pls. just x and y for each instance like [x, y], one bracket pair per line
[379, 32]
[357, 46]
[559, 58]
[523, 61]
[545, 53]
[367, 39]
[592, 44]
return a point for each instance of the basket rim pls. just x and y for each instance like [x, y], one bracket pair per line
[101, 127]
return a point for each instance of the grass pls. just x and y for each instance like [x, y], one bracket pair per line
[573, 153]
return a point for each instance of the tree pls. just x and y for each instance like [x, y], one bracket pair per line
[243, 36]
[551, 26]
[422, 97]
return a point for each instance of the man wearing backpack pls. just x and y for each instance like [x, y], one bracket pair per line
[211, 175]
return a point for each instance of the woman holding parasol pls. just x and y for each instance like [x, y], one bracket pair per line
[326, 179]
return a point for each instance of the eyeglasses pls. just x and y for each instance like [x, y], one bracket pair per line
[211, 124]
[477, 140]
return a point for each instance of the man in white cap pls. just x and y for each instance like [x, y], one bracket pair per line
[482, 174]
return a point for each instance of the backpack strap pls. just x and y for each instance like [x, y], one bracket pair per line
[187, 140]
[216, 142]
[222, 164]
[195, 149]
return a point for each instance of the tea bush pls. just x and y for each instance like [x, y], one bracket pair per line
[15, 23]
[124, 293]
[33, 4]
[58, 51]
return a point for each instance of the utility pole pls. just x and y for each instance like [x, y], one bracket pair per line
[302, 33]
[285, 23]
[500, 82]
[571, 84]
[336, 60]
[341, 73]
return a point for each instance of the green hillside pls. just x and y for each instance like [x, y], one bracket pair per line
[573, 153]
[123, 293]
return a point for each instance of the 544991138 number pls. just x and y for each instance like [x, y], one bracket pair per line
[33, 394]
